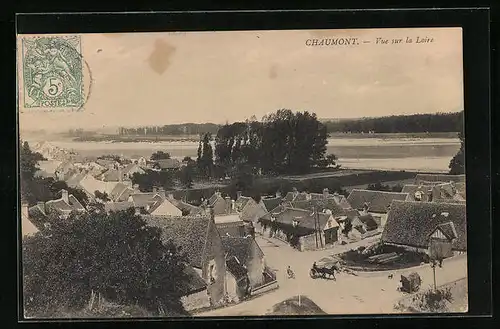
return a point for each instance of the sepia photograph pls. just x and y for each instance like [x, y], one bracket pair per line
[242, 173]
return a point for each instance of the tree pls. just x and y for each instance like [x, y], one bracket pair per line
[152, 178]
[103, 196]
[283, 143]
[186, 175]
[159, 155]
[347, 228]
[28, 167]
[457, 163]
[244, 179]
[116, 255]
[205, 159]
[188, 160]
[55, 187]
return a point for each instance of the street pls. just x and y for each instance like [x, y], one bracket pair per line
[367, 293]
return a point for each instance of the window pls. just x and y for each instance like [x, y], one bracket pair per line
[212, 272]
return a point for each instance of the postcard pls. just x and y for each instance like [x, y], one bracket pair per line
[242, 173]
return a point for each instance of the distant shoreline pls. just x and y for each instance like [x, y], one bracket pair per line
[195, 138]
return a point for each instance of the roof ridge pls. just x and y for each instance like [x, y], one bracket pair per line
[376, 191]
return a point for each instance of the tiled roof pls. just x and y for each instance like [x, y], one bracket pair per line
[132, 167]
[253, 211]
[111, 175]
[423, 178]
[48, 167]
[117, 191]
[168, 163]
[143, 199]
[298, 197]
[368, 220]
[75, 203]
[74, 180]
[277, 210]
[411, 189]
[239, 204]
[118, 206]
[240, 247]
[272, 203]
[236, 268]
[448, 230]
[90, 185]
[106, 162]
[214, 198]
[410, 223]
[184, 206]
[194, 282]
[230, 218]
[154, 204]
[189, 233]
[321, 205]
[378, 201]
[62, 206]
[37, 211]
[27, 226]
[305, 218]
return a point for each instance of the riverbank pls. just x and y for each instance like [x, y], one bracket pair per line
[113, 138]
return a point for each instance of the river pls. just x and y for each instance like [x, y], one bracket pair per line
[411, 154]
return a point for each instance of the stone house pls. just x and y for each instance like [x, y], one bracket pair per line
[61, 207]
[304, 229]
[410, 224]
[198, 238]
[376, 203]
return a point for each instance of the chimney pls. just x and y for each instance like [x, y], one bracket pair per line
[326, 193]
[170, 196]
[137, 210]
[65, 196]
[238, 195]
[155, 189]
[161, 192]
[228, 205]
[136, 188]
[295, 192]
[278, 194]
[232, 205]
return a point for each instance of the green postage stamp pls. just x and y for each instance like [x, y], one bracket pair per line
[52, 72]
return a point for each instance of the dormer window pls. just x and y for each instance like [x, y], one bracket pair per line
[295, 223]
[418, 196]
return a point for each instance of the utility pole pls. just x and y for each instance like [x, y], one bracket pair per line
[315, 227]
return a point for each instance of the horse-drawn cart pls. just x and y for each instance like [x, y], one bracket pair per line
[410, 283]
[326, 267]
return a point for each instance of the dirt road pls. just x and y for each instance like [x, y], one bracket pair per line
[370, 293]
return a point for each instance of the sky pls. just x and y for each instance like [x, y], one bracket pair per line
[166, 78]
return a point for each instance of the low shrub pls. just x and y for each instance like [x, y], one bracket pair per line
[434, 301]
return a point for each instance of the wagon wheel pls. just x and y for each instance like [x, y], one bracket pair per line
[312, 274]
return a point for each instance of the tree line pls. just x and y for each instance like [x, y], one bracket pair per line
[417, 123]
[170, 130]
